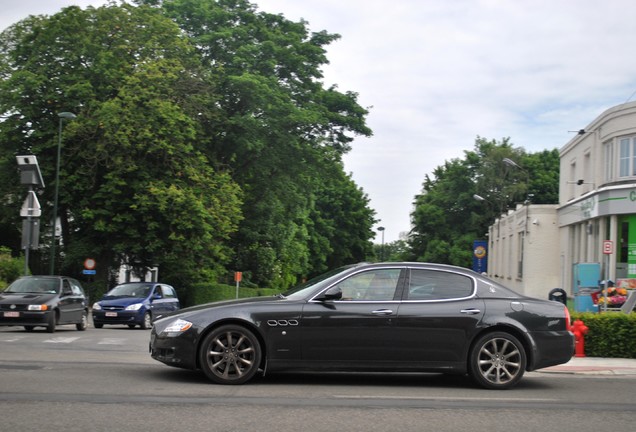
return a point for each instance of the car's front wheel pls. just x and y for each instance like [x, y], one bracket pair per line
[497, 361]
[230, 354]
[147, 321]
[51, 322]
[81, 326]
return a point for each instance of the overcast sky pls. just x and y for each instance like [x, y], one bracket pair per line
[438, 73]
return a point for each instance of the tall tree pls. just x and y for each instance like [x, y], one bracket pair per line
[464, 196]
[276, 125]
[134, 186]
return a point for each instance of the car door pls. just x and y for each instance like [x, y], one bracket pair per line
[163, 300]
[69, 304]
[438, 317]
[358, 328]
[170, 297]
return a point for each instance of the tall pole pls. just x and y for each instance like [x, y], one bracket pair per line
[381, 229]
[62, 116]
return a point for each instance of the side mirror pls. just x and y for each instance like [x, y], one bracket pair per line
[333, 293]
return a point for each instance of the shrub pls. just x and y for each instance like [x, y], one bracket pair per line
[207, 292]
[10, 268]
[610, 334]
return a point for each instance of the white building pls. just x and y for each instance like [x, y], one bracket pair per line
[536, 248]
[597, 198]
[524, 253]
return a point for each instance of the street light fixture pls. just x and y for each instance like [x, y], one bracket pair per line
[62, 116]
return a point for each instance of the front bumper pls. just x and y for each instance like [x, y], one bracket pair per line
[25, 318]
[119, 317]
[178, 351]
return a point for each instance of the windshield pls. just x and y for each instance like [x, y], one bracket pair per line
[34, 285]
[301, 290]
[139, 290]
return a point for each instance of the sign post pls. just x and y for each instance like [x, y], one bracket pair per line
[608, 249]
[237, 278]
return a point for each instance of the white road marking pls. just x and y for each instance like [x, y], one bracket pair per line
[61, 340]
[111, 341]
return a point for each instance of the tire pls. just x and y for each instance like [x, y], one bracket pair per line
[28, 328]
[230, 354]
[81, 326]
[52, 322]
[497, 361]
[96, 325]
[147, 322]
[131, 326]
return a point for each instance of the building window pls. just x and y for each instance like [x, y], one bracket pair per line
[609, 161]
[627, 157]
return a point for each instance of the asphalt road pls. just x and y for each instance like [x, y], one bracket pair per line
[104, 380]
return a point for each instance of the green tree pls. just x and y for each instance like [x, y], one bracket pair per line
[464, 196]
[276, 124]
[134, 186]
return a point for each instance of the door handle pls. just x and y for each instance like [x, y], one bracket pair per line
[470, 311]
[382, 312]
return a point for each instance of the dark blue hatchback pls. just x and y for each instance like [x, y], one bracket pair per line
[135, 303]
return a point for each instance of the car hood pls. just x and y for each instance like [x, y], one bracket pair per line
[26, 298]
[120, 301]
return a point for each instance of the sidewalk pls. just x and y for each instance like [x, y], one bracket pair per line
[594, 366]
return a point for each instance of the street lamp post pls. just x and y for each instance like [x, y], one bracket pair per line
[62, 116]
[381, 229]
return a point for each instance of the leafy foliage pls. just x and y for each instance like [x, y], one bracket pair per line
[610, 334]
[204, 140]
[464, 196]
[10, 268]
[133, 185]
[283, 135]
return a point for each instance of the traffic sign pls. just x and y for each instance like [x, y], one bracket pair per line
[89, 264]
[608, 247]
[31, 206]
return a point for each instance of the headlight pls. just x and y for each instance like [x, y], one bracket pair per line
[40, 307]
[177, 327]
[135, 306]
[97, 306]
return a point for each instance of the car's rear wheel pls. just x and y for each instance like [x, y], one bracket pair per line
[497, 361]
[97, 325]
[81, 326]
[28, 328]
[147, 322]
[230, 354]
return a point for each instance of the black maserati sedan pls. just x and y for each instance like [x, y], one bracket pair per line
[383, 317]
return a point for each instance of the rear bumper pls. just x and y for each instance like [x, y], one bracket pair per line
[551, 349]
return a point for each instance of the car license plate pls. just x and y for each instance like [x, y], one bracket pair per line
[12, 314]
[111, 314]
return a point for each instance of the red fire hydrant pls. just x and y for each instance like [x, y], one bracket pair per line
[580, 330]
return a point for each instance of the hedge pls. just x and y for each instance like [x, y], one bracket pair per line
[610, 334]
[206, 293]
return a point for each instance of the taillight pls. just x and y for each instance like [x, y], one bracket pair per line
[568, 323]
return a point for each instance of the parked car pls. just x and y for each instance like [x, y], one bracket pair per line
[44, 301]
[135, 303]
[391, 317]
